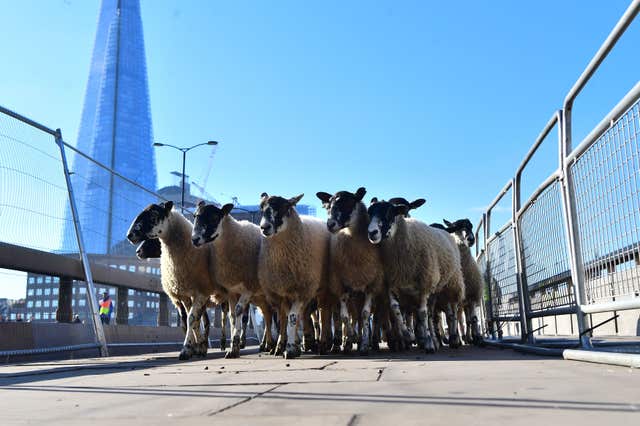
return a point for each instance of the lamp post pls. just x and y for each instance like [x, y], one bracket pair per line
[184, 151]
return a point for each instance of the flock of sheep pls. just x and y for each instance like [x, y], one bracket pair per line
[364, 276]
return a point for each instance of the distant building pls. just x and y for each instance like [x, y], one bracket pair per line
[12, 310]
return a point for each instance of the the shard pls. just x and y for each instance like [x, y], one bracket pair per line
[115, 130]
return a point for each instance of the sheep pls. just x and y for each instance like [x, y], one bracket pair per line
[293, 265]
[418, 260]
[236, 246]
[355, 263]
[462, 232]
[185, 270]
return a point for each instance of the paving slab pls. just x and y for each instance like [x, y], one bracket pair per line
[459, 387]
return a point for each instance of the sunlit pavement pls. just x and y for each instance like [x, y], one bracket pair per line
[469, 386]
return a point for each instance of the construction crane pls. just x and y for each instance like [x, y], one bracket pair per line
[205, 178]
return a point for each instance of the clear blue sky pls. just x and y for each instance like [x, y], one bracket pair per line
[415, 98]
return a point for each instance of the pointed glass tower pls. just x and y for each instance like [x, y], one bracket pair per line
[115, 130]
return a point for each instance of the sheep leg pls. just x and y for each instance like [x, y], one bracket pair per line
[337, 330]
[203, 345]
[223, 327]
[242, 319]
[308, 326]
[245, 324]
[423, 323]
[325, 328]
[265, 344]
[235, 321]
[401, 326]
[463, 328]
[437, 328]
[282, 337]
[454, 337]
[191, 338]
[183, 317]
[365, 325]
[292, 349]
[473, 324]
[347, 329]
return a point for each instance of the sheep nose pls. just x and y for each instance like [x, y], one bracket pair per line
[195, 241]
[265, 227]
[373, 234]
[130, 236]
[331, 224]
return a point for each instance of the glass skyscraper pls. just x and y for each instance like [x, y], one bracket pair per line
[115, 130]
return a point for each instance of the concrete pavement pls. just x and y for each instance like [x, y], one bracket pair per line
[470, 386]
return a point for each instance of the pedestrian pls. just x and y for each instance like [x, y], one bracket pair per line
[106, 308]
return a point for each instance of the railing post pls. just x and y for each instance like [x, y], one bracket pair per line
[490, 321]
[91, 290]
[521, 280]
[572, 229]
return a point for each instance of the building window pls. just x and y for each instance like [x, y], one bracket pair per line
[37, 316]
[102, 290]
[13, 317]
[130, 303]
[39, 280]
[132, 268]
[47, 291]
[31, 280]
[82, 302]
[55, 291]
[30, 292]
[45, 315]
[112, 291]
[46, 303]
[54, 303]
[38, 303]
[74, 290]
[56, 279]
[30, 304]
[131, 292]
[83, 290]
[39, 292]
[53, 315]
[73, 302]
[130, 315]
[47, 280]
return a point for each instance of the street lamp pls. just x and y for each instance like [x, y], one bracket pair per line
[184, 151]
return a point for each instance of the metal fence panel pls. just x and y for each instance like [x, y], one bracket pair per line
[33, 193]
[502, 275]
[607, 185]
[544, 251]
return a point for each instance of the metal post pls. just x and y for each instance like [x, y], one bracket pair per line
[163, 311]
[572, 230]
[492, 327]
[64, 313]
[184, 160]
[523, 289]
[122, 313]
[93, 303]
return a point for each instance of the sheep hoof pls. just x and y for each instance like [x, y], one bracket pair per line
[375, 346]
[310, 344]
[292, 351]
[454, 341]
[232, 353]
[322, 348]
[363, 350]
[223, 343]
[335, 348]
[243, 342]
[477, 340]
[186, 353]
[201, 349]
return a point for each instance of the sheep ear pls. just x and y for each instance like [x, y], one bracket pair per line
[360, 193]
[324, 197]
[227, 208]
[264, 196]
[374, 200]
[293, 201]
[446, 222]
[201, 203]
[167, 206]
[417, 203]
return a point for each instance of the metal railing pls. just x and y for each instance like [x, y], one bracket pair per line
[44, 223]
[574, 246]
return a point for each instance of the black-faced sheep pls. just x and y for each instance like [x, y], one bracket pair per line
[293, 263]
[418, 260]
[356, 266]
[185, 269]
[462, 232]
[236, 247]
